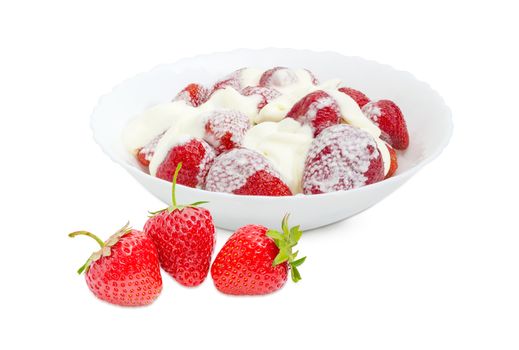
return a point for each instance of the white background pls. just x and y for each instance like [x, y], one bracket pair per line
[434, 266]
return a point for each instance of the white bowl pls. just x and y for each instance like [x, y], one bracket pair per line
[428, 120]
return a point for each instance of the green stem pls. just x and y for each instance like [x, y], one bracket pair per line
[91, 235]
[173, 197]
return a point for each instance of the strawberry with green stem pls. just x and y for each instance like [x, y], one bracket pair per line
[125, 271]
[256, 260]
[185, 237]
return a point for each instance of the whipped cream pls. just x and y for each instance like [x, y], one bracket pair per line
[283, 141]
[277, 109]
[181, 121]
[285, 144]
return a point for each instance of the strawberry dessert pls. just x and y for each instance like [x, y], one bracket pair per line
[270, 132]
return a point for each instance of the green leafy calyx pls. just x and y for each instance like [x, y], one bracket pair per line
[105, 246]
[285, 241]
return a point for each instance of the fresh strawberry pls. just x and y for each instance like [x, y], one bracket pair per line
[389, 118]
[394, 161]
[225, 129]
[195, 155]
[356, 95]
[282, 76]
[184, 236]
[193, 94]
[244, 171]
[144, 154]
[256, 260]
[125, 271]
[267, 94]
[318, 109]
[342, 157]
[232, 80]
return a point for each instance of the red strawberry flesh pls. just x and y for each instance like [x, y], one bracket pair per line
[356, 95]
[193, 94]
[195, 155]
[246, 172]
[389, 118]
[225, 129]
[318, 109]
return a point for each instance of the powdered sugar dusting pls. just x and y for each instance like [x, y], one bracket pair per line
[193, 95]
[205, 164]
[196, 157]
[232, 80]
[340, 159]
[317, 109]
[231, 170]
[148, 151]
[225, 129]
[278, 77]
[320, 103]
[372, 111]
[267, 94]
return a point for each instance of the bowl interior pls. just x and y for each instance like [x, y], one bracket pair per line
[427, 116]
[428, 120]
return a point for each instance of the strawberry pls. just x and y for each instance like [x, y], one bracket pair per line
[232, 80]
[267, 94]
[317, 109]
[144, 154]
[256, 260]
[342, 157]
[193, 94]
[225, 129]
[247, 172]
[356, 95]
[125, 271]
[195, 155]
[282, 76]
[394, 162]
[278, 76]
[184, 236]
[389, 118]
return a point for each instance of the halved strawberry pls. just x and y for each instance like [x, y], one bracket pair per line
[278, 76]
[282, 76]
[389, 118]
[342, 157]
[232, 80]
[195, 155]
[225, 129]
[318, 109]
[243, 171]
[394, 161]
[356, 95]
[193, 94]
[267, 94]
[144, 154]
